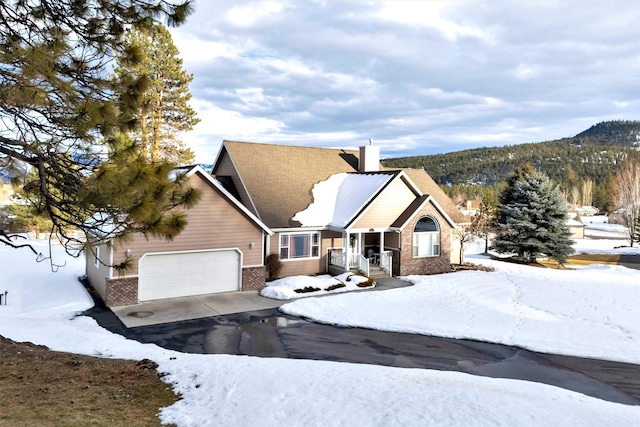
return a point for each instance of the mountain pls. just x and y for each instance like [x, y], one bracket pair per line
[591, 154]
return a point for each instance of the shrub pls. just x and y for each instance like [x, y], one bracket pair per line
[273, 266]
[366, 284]
[306, 289]
[336, 286]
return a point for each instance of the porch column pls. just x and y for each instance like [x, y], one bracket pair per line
[347, 246]
[381, 242]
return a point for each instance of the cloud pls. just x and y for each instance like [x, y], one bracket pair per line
[248, 15]
[431, 14]
[418, 77]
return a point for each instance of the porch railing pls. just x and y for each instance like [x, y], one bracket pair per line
[356, 261]
[339, 259]
[360, 262]
[386, 262]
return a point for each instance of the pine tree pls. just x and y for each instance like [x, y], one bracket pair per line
[532, 219]
[165, 109]
[64, 117]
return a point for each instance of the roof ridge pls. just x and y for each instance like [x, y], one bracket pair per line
[287, 146]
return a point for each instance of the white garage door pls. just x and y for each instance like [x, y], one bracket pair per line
[188, 273]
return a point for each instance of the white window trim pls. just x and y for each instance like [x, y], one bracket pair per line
[308, 233]
[96, 259]
[439, 240]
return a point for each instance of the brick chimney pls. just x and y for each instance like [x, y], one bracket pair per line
[369, 158]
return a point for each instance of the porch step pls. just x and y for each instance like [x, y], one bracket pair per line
[376, 272]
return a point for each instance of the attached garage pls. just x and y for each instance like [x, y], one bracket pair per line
[179, 274]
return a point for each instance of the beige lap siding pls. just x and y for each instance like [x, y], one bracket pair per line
[387, 207]
[302, 267]
[213, 223]
[97, 275]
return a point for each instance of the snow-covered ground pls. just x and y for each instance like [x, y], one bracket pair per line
[571, 312]
[598, 227]
[239, 390]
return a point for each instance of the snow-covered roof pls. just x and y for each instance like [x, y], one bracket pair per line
[340, 198]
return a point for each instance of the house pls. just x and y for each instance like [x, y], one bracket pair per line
[576, 228]
[220, 250]
[320, 210]
[333, 210]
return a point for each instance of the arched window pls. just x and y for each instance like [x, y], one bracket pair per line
[426, 238]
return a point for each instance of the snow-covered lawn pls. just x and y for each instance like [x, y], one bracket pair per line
[591, 311]
[238, 390]
[305, 286]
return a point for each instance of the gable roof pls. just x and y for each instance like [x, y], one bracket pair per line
[415, 207]
[428, 186]
[337, 200]
[279, 179]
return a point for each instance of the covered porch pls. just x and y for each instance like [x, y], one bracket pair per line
[365, 251]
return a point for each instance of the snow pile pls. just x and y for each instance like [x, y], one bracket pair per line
[220, 390]
[589, 312]
[304, 286]
[339, 198]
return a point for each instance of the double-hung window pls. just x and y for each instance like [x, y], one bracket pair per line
[426, 238]
[299, 245]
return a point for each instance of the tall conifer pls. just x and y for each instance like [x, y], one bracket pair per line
[165, 113]
[532, 219]
[65, 116]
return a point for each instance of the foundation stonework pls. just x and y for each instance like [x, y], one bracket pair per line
[121, 291]
[253, 278]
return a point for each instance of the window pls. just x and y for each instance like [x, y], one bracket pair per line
[426, 238]
[299, 245]
[96, 260]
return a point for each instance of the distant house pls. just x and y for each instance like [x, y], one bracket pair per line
[576, 227]
[333, 210]
[320, 210]
[469, 208]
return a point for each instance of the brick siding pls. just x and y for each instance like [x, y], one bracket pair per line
[121, 291]
[253, 278]
[425, 265]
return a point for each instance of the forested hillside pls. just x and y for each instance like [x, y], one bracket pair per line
[592, 154]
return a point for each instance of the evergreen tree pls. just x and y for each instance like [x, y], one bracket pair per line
[532, 219]
[165, 109]
[604, 194]
[636, 234]
[64, 116]
[521, 173]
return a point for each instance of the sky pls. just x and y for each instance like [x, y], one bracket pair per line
[566, 312]
[417, 77]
